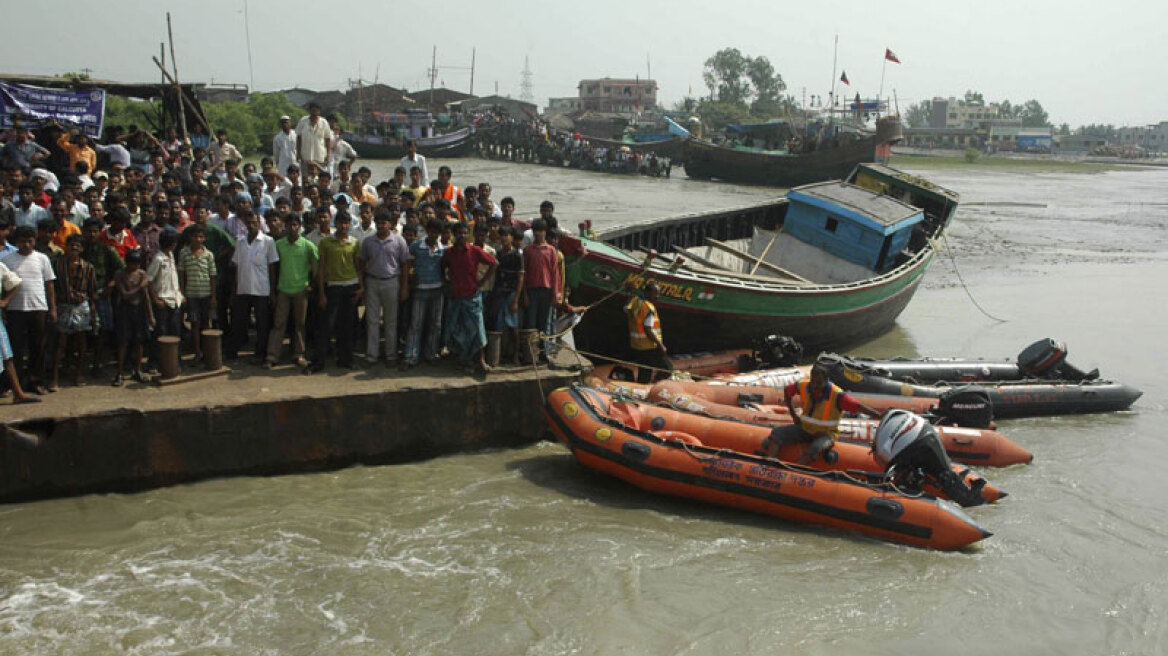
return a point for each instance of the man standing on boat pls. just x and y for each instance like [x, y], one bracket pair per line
[645, 338]
[822, 403]
[413, 159]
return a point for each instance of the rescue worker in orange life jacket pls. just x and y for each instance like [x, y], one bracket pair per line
[645, 339]
[823, 403]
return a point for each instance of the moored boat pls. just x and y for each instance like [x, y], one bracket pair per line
[829, 264]
[973, 446]
[602, 439]
[829, 158]
[459, 143]
[1008, 399]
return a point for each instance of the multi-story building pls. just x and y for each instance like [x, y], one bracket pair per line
[1152, 138]
[618, 96]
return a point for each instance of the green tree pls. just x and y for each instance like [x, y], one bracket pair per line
[725, 73]
[124, 112]
[717, 115]
[1064, 129]
[1033, 115]
[973, 98]
[768, 88]
[1006, 110]
[918, 115]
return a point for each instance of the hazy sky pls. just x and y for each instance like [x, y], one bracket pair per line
[1086, 62]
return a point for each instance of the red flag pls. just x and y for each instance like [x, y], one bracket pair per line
[891, 56]
[844, 78]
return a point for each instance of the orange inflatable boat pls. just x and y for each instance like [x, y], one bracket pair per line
[972, 446]
[605, 434]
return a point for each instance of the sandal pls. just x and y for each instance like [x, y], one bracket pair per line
[117, 381]
[137, 376]
[27, 399]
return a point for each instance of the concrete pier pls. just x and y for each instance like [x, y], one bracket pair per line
[255, 422]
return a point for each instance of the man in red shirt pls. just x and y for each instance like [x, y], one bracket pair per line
[541, 282]
[467, 334]
[118, 235]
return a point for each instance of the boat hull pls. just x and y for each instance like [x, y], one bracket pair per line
[460, 144]
[705, 313]
[707, 161]
[679, 468]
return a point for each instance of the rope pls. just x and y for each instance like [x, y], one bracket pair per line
[960, 279]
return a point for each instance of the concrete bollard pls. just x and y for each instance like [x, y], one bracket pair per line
[494, 347]
[213, 349]
[168, 364]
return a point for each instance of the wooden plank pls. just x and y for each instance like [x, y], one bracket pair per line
[777, 270]
[685, 252]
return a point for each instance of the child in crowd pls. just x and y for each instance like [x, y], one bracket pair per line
[133, 317]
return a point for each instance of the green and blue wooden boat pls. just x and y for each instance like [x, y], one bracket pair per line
[830, 264]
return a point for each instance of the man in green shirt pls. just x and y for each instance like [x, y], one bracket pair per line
[339, 290]
[298, 264]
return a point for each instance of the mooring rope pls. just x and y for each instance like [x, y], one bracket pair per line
[953, 261]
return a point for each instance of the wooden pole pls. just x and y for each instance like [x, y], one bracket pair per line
[182, 114]
[183, 98]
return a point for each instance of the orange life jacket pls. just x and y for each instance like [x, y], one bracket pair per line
[637, 310]
[820, 417]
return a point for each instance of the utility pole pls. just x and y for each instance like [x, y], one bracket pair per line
[525, 92]
[433, 72]
[472, 66]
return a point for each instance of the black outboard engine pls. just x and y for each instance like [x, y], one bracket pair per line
[772, 352]
[912, 454]
[1047, 358]
[969, 406]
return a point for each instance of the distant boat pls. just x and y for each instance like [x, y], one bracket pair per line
[459, 143]
[672, 147]
[828, 264]
[828, 159]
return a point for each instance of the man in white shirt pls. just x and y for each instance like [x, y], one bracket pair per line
[284, 146]
[413, 159]
[255, 257]
[29, 308]
[341, 150]
[28, 213]
[313, 139]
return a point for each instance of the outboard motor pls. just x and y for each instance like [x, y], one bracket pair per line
[1047, 358]
[969, 406]
[911, 452]
[772, 352]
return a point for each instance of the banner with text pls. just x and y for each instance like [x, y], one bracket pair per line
[80, 108]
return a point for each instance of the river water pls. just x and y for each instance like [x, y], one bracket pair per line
[524, 552]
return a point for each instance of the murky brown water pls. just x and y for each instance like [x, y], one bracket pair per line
[523, 552]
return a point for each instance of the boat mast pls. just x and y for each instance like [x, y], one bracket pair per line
[831, 96]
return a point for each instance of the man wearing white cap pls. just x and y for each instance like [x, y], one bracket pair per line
[284, 146]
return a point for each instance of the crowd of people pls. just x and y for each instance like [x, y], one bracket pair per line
[535, 142]
[106, 247]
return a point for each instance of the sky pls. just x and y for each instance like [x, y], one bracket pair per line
[1085, 62]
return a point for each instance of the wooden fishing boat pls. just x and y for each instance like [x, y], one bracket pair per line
[608, 437]
[673, 147]
[828, 265]
[833, 159]
[459, 143]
